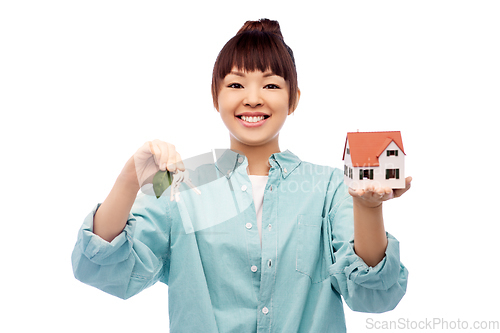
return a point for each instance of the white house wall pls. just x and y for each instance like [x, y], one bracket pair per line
[347, 157]
[348, 163]
[393, 162]
[385, 162]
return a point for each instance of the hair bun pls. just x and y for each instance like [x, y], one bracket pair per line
[264, 25]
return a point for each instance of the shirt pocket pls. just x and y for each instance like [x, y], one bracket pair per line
[310, 259]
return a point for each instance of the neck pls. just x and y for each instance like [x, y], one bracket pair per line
[258, 156]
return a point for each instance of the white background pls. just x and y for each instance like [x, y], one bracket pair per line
[84, 83]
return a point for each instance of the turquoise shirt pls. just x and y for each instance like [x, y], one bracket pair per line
[206, 248]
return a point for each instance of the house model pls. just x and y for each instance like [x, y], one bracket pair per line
[375, 158]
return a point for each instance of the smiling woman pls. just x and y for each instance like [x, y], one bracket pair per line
[258, 45]
[254, 106]
[230, 254]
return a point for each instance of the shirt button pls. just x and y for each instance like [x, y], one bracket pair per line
[270, 226]
[265, 310]
[244, 188]
[269, 263]
[240, 159]
[254, 269]
[270, 187]
[248, 225]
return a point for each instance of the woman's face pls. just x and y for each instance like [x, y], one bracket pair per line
[253, 106]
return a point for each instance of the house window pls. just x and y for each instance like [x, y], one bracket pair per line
[365, 174]
[350, 173]
[347, 151]
[392, 174]
[392, 153]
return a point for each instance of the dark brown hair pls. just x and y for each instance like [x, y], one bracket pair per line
[258, 45]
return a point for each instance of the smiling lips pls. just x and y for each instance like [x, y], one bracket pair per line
[252, 119]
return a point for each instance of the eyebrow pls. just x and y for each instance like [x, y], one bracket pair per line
[237, 73]
[268, 74]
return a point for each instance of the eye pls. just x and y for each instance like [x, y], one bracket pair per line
[235, 86]
[271, 86]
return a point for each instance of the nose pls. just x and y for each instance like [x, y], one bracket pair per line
[253, 97]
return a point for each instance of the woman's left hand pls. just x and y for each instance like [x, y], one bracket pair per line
[373, 197]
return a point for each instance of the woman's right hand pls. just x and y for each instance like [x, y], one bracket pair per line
[112, 215]
[153, 156]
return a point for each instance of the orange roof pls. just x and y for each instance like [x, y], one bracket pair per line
[366, 147]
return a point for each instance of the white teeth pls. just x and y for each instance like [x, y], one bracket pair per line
[252, 119]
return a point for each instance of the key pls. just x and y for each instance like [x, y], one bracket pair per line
[179, 177]
[174, 187]
[188, 181]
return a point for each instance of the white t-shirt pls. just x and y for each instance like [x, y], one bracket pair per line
[258, 187]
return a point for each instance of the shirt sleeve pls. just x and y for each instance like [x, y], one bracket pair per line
[136, 259]
[365, 289]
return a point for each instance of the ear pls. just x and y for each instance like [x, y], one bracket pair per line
[292, 110]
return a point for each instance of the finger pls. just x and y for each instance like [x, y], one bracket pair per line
[370, 190]
[387, 193]
[179, 163]
[145, 149]
[156, 152]
[174, 161]
[353, 192]
[164, 154]
[358, 193]
[169, 157]
[380, 191]
[151, 148]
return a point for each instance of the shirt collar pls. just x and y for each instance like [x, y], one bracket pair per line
[228, 160]
[287, 161]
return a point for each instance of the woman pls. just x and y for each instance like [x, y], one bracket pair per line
[269, 244]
